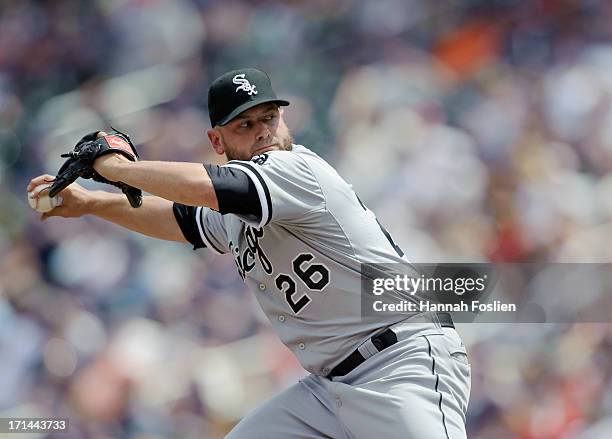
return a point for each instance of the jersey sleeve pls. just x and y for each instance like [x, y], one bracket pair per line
[286, 187]
[202, 227]
[235, 192]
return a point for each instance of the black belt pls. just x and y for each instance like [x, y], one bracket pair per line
[380, 341]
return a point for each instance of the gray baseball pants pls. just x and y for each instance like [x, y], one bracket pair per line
[417, 388]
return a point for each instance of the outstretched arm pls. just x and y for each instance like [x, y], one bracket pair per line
[181, 182]
[153, 218]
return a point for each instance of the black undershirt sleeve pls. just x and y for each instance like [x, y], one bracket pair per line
[235, 192]
[185, 217]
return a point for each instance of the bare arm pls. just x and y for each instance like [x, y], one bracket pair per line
[154, 218]
[168, 182]
[186, 183]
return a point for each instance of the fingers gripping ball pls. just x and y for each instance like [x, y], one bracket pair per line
[40, 200]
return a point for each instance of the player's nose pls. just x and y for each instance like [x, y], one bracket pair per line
[263, 132]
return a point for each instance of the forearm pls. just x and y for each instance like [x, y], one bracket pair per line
[153, 218]
[186, 183]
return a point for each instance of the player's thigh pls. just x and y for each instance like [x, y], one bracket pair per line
[420, 394]
[453, 368]
[294, 413]
[452, 374]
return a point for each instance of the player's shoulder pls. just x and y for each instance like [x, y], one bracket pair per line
[298, 153]
[279, 162]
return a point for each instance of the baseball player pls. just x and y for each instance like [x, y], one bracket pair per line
[298, 235]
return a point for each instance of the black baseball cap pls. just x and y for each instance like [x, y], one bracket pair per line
[235, 92]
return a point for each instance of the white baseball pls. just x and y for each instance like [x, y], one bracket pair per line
[40, 201]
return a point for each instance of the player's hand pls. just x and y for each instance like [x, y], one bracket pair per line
[105, 164]
[76, 199]
[85, 161]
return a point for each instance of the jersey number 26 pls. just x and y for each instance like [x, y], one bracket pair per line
[314, 276]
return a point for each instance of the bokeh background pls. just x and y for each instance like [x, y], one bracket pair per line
[477, 130]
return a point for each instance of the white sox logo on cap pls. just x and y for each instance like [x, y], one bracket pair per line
[244, 84]
[226, 101]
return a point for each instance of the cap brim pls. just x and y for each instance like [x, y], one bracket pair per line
[244, 107]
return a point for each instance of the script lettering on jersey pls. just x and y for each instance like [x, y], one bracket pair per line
[245, 262]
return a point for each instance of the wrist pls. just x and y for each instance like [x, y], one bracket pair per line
[111, 166]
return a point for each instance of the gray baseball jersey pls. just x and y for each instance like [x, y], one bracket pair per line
[302, 259]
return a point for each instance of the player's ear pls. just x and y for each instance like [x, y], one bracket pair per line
[215, 140]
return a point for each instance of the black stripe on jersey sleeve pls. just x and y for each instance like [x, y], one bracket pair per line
[186, 219]
[236, 193]
[265, 197]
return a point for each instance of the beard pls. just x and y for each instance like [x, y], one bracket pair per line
[284, 142]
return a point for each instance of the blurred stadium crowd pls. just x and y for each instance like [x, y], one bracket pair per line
[478, 130]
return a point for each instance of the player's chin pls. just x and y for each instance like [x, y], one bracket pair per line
[283, 143]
